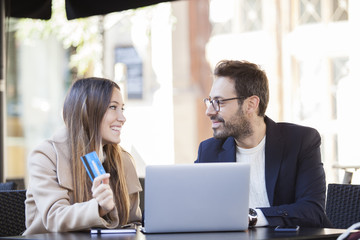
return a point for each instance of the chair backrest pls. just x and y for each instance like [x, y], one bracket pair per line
[12, 212]
[343, 204]
[7, 186]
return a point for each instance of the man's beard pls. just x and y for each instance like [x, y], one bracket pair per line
[237, 127]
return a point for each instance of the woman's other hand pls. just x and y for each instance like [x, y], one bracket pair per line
[103, 194]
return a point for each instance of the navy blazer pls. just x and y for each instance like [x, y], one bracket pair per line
[294, 173]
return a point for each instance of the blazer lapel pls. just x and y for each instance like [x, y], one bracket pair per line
[228, 153]
[274, 148]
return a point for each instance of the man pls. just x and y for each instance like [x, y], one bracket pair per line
[287, 179]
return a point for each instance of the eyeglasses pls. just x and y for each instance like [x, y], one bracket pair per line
[216, 102]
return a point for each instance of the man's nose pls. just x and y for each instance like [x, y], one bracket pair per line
[210, 111]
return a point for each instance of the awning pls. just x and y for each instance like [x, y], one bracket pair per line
[41, 9]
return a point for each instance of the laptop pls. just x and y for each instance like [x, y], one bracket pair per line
[196, 197]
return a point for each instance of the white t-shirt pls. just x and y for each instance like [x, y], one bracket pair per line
[258, 196]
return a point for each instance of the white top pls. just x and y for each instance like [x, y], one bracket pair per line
[258, 196]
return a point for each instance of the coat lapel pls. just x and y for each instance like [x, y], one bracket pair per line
[63, 163]
[274, 148]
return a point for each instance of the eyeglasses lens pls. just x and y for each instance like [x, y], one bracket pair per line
[213, 103]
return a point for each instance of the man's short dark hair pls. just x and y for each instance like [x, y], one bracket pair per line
[249, 80]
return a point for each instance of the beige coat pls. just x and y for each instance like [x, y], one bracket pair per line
[49, 201]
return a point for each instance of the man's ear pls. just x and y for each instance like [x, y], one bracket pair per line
[252, 105]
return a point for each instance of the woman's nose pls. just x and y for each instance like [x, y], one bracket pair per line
[121, 117]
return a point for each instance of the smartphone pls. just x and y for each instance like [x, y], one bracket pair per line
[93, 165]
[287, 228]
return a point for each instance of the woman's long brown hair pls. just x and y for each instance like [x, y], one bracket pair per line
[84, 108]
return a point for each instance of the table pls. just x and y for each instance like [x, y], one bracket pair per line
[256, 233]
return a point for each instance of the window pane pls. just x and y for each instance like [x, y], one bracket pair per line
[340, 10]
[310, 11]
[340, 71]
[221, 15]
[252, 15]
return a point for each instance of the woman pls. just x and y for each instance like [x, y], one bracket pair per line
[60, 195]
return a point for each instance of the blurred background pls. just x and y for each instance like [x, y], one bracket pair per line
[162, 56]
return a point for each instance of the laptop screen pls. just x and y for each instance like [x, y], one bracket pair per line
[196, 197]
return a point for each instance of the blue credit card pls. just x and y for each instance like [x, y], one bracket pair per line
[93, 165]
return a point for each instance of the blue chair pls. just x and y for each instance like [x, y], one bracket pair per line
[7, 186]
[343, 204]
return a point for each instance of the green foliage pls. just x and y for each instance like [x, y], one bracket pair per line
[83, 35]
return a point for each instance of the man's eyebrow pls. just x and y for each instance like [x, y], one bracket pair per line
[216, 97]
